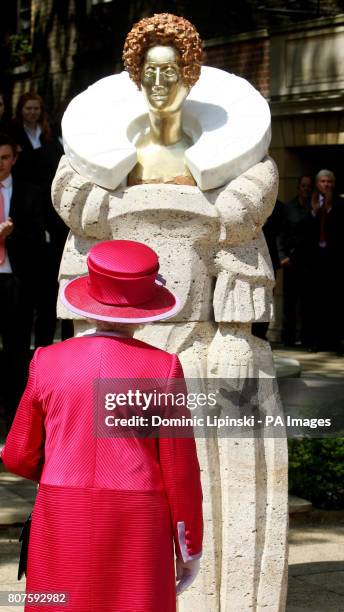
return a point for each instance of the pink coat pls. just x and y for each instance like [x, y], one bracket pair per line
[108, 510]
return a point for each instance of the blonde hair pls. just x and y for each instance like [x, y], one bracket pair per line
[129, 328]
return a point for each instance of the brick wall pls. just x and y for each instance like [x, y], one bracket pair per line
[245, 58]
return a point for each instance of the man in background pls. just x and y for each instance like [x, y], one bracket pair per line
[294, 244]
[271, 230]
[21, 239]
[327, 214]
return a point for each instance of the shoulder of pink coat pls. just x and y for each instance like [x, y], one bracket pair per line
[131, 346]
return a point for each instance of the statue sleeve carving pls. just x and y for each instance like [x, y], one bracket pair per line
[245, 278]
[83, 214]
[247, 201]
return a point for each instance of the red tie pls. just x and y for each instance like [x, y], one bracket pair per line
[2, 219]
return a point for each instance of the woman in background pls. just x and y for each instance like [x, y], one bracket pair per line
[39, 152]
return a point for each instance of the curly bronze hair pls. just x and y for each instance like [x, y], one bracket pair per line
[164, 29]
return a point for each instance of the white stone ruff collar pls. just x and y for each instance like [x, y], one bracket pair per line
[227, 119]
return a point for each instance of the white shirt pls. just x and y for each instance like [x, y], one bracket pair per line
[6, 190]
[34, 136]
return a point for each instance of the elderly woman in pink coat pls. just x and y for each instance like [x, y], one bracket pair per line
[113, 515]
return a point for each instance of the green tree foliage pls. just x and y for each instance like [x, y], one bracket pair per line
[20, 48]
[316, 471]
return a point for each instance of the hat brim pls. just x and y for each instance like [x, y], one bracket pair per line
[74, 296]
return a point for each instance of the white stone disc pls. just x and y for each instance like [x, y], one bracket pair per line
[228, 120]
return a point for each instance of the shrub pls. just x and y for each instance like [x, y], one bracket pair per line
[316, 471]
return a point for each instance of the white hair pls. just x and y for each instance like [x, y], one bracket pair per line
[325, 173]
[128, 328]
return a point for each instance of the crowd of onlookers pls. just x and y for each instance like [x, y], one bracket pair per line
[32, 237]
[305, 239]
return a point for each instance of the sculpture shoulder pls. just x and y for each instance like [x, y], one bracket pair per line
[242, 205]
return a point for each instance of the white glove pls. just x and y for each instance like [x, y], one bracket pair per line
[186, 573]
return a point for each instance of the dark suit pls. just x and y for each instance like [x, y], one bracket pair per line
[326, 312]
[38, 167]
[25, 247]
[296, 241]
[271, 230]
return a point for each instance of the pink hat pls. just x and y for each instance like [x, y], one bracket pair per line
[122, 285]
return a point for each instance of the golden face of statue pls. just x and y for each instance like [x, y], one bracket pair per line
[161, 80]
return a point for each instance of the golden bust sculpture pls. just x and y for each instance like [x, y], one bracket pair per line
[163, 56]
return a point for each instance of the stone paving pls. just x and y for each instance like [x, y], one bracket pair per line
[323, 364]
[316, 568]
[316, 551]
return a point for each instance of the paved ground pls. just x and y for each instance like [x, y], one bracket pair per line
[324, 365]
[316, 569]
[316, 556]
[316, 552]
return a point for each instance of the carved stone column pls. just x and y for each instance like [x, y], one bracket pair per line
[214, 256]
